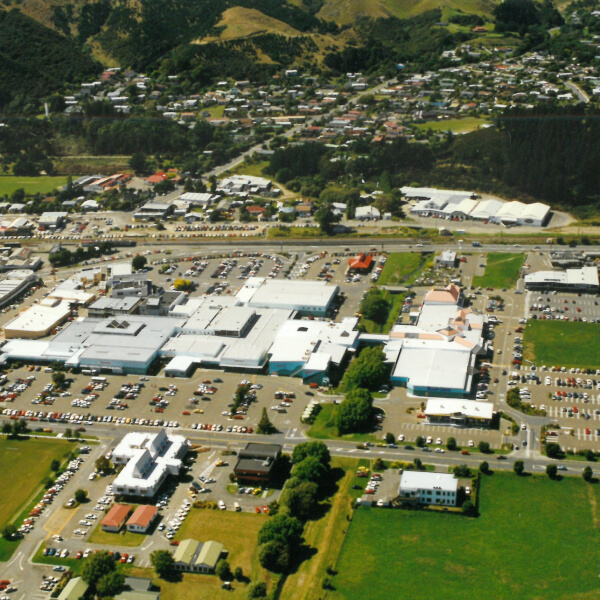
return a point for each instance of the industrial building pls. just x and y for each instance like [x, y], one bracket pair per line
[459, 412]
[420, 487]
[571, 280]
[436, 356]
[453, 204]
[148, 459]
[15, 284]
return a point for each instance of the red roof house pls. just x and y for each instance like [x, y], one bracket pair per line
[360, 262]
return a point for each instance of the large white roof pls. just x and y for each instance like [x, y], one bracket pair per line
[452, 406]
[421, 480]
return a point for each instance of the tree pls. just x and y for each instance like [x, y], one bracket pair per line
[257, 590]
[58, 379]
[418, 463]
[484, 447]
[183, 285]
[552, 471]
[80, 495]
[468, 508]
[162, 562]
[420, 441]
[553, 450]
[97, 566]
[355, 413]
[588, 474]
[281, 528]
[519, 467]
[9, 531]
[223, 570]
[462, 471]
[54, 465]
[274, 556]
[110, 584]
[265, 426]
[375, 307]
[484, 467]
[238, 574]
[300, 498]
[310, 469]
[6, 428]
[138, 163]
[102, 464]
[317, 449]
[138, 262]
[326, 219]
[390, 438]
[378, 464]
[367, 370]
[451, 443]
[68, 433]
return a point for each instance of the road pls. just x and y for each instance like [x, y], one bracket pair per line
[578, 91]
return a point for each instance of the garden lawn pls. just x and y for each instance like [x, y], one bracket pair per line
[536, 538]
[455, 125]
[402, 268]
[501, 270]
[126, 538]
[31, 185]
[395, 301]
[562, 343]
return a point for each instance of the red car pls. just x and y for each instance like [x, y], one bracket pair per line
[257, 509]
[265, 509]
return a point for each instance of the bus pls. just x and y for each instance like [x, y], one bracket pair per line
[97, 379]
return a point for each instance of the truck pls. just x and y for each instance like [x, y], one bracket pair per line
[476, 244]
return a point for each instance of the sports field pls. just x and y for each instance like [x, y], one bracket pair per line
[456, 125]
[501, 270]
[535, 539]
[31, 185]
[562, 343]
[402, 268]
[24, 463]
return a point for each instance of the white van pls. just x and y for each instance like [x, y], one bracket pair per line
[237, 506]
[222, 505]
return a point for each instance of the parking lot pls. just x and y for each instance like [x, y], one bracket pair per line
[557, 305]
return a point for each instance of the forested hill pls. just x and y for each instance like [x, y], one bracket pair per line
[36, 60]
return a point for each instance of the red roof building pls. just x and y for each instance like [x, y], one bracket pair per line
[142, 518]
[115, 518]
[361, 262]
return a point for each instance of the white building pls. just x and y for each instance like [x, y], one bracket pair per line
[571, 280]
[428, 488]
[458, 412]
[447, 259]
[148, 459]
[38, 320]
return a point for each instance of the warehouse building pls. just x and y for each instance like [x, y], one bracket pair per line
[15, 285]
[148, 459]
[571, 280]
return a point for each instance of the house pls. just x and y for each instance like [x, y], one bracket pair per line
[115, 518]
[420, 487]
[255, 462]
[256, 211]
[197, 557]
[142, 518]
[447, 259]
[74, 590]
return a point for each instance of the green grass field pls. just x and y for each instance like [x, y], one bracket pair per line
[238, 532]
[125, 538]
[396, 301]
[324, 428]
[501, 270]
[455, 125]
[402, 268]
[517, 548]
[562, 343]
[31, 185]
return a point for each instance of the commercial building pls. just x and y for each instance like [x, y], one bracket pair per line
[109, 307]
[142, 518]
[19, 259]
[197, 557]
[571, 280]
[459, 412]
[309, 349]
[38, 320]
[115, 518]
[154, 211]
[255, 462]
[436, 356]
[447, 259]
[15, 284]
[420, 487]
[148, 459]
[314, 298]
[460, 205]
[52, 220]
[360, 262]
